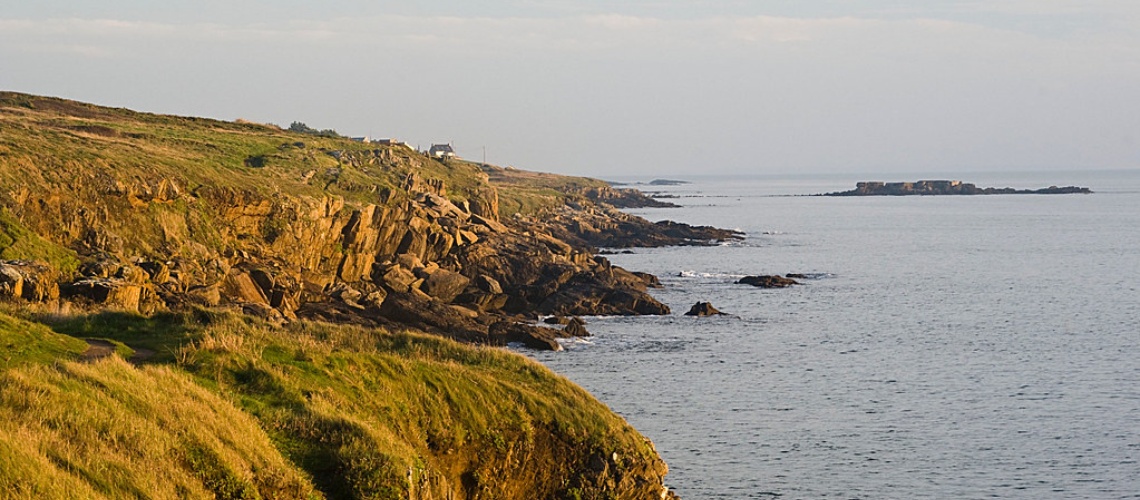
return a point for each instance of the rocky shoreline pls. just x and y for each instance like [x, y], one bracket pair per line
[426, 263]
[413, 253]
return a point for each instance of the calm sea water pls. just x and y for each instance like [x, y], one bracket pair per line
[949, 347]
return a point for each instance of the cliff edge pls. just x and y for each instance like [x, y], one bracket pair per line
[145, 229]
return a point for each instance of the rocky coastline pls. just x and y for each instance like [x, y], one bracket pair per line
[419, 254]
[109, 211]
[426, 263]
[945, 187]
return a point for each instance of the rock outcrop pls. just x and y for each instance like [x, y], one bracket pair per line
[33, 281]
[701, 309]
[767, 281]
[600, 226]
[622, 197]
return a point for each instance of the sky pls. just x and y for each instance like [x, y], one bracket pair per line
[649, 88]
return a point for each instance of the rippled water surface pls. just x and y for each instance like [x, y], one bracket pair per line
[946, 347]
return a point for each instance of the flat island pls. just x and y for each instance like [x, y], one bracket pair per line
[940, 187]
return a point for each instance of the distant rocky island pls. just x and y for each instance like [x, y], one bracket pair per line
[654, 182]
[942, 187]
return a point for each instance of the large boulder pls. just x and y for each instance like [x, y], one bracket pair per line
[650, 280]
[204, 295]
[394, 277]
[483, 301]
[240, 288]
[587, 299]
[11, 282]
[488, 284]
[444, 285]
[110, 293]
[420, 311]
[575, 327]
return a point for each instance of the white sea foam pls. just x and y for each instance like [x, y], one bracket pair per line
[695, 274]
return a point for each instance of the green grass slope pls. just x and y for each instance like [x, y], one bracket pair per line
[109, 430]
[23, 342]
[18, 243]
[380, 414]
[244, 409]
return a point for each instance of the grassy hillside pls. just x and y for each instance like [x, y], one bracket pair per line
[243, 409]
[54, 139]
[524, 192]
[25, 342]
[18, 242]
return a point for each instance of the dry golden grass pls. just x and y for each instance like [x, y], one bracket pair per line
[110, 430]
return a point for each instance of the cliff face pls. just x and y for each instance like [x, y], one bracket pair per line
[154, 212]
[111, 210]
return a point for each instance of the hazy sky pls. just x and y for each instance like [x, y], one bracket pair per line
[639, 87]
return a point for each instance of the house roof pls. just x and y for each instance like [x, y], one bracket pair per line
[444, 148]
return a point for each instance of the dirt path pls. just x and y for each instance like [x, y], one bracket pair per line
[140, 355]
[96, 350]
[99, 349]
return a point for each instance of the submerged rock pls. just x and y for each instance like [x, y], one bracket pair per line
[767, 281]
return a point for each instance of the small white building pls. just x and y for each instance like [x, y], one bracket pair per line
[441, 151]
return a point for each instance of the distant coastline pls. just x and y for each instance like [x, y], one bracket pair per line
[654, 182]
[945, 187]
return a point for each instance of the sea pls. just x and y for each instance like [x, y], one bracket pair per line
[941, 347]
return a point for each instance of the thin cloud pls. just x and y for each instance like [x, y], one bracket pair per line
[811, 92]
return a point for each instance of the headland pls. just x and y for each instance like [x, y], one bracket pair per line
[336, 302]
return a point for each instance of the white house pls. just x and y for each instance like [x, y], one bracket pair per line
[441, 151]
